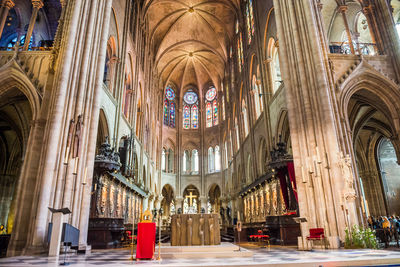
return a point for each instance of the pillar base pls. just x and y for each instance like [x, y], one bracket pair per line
[84, 249]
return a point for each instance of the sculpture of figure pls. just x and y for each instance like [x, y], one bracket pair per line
[201, 229]
[211, 225]
[178, 230]
[77, 137]
[345, 165]
[70, 137]
[189, 231]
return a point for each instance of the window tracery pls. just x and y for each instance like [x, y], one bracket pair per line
[169, 107]
[190, 110]
[211, 107]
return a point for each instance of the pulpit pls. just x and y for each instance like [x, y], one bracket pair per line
[146, 240]
[195, 230]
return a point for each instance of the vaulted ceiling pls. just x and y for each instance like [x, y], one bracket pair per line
[190, 39]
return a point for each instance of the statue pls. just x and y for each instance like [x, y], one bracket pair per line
[189, 231]
[268, 200]
[211, 225]
[77, 137]
[178, 227]
[69, 139]
[201, 229]
[195, 230]
[346, 167]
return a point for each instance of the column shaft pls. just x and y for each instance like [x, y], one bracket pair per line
[37, 4]
[5, 8]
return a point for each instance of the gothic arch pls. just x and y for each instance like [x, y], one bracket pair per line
[262, 155]
[367, 78]
[378, 92]
[12, 78]
[267, 24]
[283, 126]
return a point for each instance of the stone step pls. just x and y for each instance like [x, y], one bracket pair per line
[221, 251]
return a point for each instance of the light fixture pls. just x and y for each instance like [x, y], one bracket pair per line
[191, 9]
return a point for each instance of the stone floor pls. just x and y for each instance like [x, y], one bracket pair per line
[276, 256]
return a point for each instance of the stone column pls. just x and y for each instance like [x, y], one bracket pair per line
[315, 132]
[37, 4]
[342, 10]
[5, 8]
[367, 10]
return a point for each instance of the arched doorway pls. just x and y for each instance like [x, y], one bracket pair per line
[168, 201]
[191, 200]
[214, 199]
[379, 173]
[15, 118]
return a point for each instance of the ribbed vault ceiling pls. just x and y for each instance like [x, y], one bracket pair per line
[190, 39]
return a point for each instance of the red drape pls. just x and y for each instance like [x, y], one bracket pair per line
[292, 177]
[282, 179]
[146, 240]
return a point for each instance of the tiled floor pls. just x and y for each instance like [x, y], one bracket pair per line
[277, 256]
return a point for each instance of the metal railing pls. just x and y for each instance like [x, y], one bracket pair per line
[359, 48]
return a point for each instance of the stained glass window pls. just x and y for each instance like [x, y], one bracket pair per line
[211, 93]
[169, 93]
[250, 20]
[215, 112]
[237, 27]
[169, 107]
[172, 115]
[217, 157]
[166, 115]
[186, 117]
[240, 52]
[223, 108]
[209, 115]
[195, 117]
[191, 110]
[190, 98]
[211, 107]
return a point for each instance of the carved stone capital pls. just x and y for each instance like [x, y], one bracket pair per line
[8, 4]
[343, 8]
[38, 4]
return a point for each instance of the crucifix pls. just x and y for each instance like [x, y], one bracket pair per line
[190, 197]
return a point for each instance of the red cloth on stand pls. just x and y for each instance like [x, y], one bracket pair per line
[146, 240]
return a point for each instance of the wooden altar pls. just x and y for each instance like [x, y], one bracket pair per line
[195, 230]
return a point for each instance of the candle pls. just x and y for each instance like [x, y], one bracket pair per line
[66, 156]
[318, 155]
[315, 161]
[76, 165]
[238, 215]
[84, 176]
[309, 164]
[303, 174]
